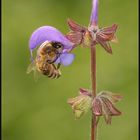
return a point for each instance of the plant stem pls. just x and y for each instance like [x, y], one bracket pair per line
[93, 69]
[93, 82]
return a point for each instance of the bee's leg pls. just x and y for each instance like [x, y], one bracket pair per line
[54, 65]
[58, 66]
[52, 61]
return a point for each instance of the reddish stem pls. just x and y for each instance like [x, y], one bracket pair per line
[93, 80]
[93, 69]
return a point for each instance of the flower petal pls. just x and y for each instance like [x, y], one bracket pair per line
[94, 12]
[66, 59]
[49, 33]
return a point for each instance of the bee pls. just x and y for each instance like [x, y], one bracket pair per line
[47, 54]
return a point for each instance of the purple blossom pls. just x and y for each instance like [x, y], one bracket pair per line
[48, 33]
[94, 13]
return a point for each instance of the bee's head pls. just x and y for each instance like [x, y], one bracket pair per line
[57, 45]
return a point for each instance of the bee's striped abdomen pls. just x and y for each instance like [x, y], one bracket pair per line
[50, 70]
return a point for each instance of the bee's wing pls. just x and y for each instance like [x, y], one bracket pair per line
[36, 75]
[32, 67]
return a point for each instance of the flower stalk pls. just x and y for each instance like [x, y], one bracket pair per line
[93, 69]
[93, 21]
[102, 104]
[93, 82]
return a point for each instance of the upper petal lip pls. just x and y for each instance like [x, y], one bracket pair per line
[49, 33]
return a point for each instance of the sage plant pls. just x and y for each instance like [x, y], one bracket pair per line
[102, 103]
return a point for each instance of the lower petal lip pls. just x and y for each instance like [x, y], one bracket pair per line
[66, 59]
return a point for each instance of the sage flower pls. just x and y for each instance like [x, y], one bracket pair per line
[48, 33]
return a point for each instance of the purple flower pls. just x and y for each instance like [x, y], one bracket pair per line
[48, 33]
[94, 13]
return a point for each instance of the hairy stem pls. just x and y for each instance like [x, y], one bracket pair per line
[93, 69]
[93, 82]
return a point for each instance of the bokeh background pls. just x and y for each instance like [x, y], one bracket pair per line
[39, 110]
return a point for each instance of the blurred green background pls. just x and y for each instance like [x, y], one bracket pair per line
[39, 111]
